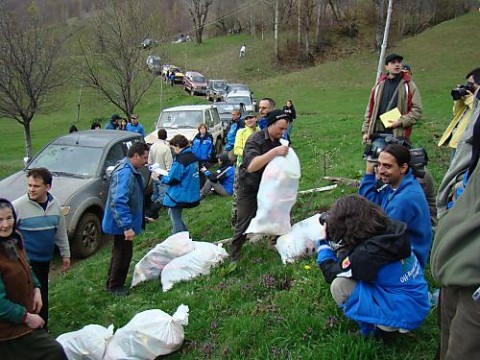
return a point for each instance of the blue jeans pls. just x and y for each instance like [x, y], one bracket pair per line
[159, 191]
[177, 221]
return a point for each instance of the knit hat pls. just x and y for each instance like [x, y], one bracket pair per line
[115, 117]
[275, 115]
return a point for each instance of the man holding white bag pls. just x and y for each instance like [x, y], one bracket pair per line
[260, 148]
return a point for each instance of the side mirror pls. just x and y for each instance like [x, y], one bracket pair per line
[26, 160]
[108, 171]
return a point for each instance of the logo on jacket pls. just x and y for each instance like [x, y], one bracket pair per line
[346, 263]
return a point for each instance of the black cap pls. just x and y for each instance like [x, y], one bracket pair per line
[392, 57]
[275, 115]
[116, 117]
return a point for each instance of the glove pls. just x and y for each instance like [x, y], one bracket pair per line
[325, 252]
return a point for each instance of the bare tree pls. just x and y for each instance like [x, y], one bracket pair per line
[198, 10]
[29, 69]
[113, 61]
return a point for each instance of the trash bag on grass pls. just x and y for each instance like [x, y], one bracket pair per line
[88, 343]
[196, 262]
[276, 195]
[300, 241]
[149, 334]
[152, 264]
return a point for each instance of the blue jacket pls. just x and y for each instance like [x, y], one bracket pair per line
[230, 142]
[407, 204]
[225, 176]
[262, 123]
[390, 290]
[110, 126]
[184, 181]
[136, 128]
[202, 147]
[124, 207]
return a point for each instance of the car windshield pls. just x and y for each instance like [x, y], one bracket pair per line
[225, 108]
[76, 161]
[238, 88]
[180, 119]
[199, 79]
[239, 99]
[219, 85]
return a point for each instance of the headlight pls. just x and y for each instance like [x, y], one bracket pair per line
[65, 210]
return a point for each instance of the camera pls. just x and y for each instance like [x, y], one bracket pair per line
[461, 91]
[418, 156]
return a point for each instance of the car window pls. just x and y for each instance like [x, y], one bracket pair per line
[216, 117]
[116, 153]
[239, 99]
[76, 161]
[180, 119]
[208, 119]
[199, 79]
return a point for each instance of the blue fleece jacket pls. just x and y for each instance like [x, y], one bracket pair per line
[407, 204]
[136, 128]
[232, 133]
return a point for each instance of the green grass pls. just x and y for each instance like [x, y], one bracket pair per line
[263, 310]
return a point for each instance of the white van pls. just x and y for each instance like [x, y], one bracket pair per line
[185, 120]
[241, 96]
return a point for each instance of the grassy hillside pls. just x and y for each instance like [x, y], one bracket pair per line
[264, 310]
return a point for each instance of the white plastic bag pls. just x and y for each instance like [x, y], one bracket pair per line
[197, 262]
[152, 264]
[149, 334]
[88, 343]
[276, 195]
[300, 241]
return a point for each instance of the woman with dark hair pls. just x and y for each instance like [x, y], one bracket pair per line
[375, 278]
[401, 197]
[21, 333]
[289, 109]
[183, 182]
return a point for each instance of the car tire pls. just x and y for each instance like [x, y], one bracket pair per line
[192, 92]
[87, 236]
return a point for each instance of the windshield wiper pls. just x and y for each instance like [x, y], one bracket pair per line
[62, 173]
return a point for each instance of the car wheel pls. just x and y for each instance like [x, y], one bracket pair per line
[87, 236]
[192, 92]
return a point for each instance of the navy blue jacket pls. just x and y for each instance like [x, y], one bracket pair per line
[183, 180]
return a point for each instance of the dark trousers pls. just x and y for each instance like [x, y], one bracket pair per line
[460, 323]
[37, 345]
[41, 270]
[246, 210]
[119, 263]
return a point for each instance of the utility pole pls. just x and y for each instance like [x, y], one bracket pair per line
[385, 40]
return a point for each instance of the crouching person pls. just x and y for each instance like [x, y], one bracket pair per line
[375, 278]
[221, 182]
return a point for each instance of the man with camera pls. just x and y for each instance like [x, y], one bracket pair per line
[458, 136]
[395, 89]
[401, 197]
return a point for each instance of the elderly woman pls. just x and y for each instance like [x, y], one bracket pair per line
[21, 333]
[375, 277]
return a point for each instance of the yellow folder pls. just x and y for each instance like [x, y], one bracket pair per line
[390, 117]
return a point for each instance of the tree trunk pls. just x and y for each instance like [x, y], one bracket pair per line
[380, 24]
[299, 25]
[28, 138]
[318, 35]
[276, 29]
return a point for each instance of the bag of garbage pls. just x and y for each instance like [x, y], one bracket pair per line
[300, 241]
[152, 264]
[276, 195]
[149, 334]
[88, 343]
[196, 262]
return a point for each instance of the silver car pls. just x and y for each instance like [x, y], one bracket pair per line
[78, 163]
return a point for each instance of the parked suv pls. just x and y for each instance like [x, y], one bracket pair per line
[237, 97]
[185, 120]
[78, 163]
[216, 90]
[195, 83]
